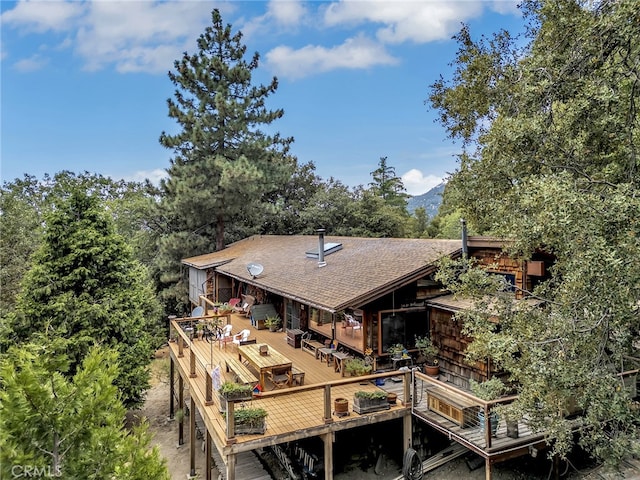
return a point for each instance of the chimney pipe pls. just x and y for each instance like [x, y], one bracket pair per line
[465, 247]
[321, 262]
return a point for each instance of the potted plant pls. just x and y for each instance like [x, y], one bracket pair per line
[488, 390]
[250, 421]
[356, 367]
[233, 391]
[428, 355]
[273, 323]
[199, 330]
[370, 401]
[341, 406]
[396, 350]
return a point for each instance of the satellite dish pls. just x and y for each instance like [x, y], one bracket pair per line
[254, 269]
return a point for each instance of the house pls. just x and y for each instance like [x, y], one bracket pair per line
[357, 293]
[362, 296]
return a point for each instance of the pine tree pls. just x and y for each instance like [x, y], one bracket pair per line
[224, 163]
[68, 427]
[387, 185]
[85, 285]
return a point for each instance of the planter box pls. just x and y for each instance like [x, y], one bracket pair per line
[233, 398]
[244, 429]
[368, 405]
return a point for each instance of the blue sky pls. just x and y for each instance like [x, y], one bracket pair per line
[84, 84]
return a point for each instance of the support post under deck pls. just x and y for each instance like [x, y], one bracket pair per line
[181, 405]
[192, 438]
[172, 375]
[208, 452]
[327, 438]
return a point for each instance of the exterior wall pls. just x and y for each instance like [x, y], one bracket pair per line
[446, 333]
[499, 262]
[197, 284]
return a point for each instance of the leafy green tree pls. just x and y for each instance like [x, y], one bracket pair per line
[19, 236]
[224, 163]
[289, 203]
[332, 207]
[550, 133]
[387, 185]
[69, 427]
[376, 217]
[24, 201]
[85, 285]
[419, 223]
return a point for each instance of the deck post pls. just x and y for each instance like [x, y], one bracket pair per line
[172, 376]
[231, 430]
[192, 438]
[231, 466]
[407, 435]
[208, 390]
[208, 452]
[487, 426]
[487, 469]
[181, 405]
[328, 455]
[192, 363]
[180, 346]
[327, 405]
[406, 394]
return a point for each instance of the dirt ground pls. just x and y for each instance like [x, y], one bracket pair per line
[165, 437]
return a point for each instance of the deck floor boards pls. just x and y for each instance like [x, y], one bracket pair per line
[298, 412]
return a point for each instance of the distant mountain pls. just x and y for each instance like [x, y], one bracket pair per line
[430, 201]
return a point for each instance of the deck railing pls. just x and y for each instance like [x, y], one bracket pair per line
[181, 331]
[456, 405]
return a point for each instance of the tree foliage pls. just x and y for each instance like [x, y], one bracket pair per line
[550, 134]
[24, 202]
[69, 427]
[85, 285]
[387, 185]
[224, 163]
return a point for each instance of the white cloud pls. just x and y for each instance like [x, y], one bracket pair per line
[132, 35]
[416, 183]
[31, 64]
[354, 53]
[286, 12]
[154, 176]
[140, 36]
[506, 7]
[40, 17]
[403, 21]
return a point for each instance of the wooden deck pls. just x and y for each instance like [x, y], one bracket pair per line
[293, 413]
[306, 411]
[467, 432]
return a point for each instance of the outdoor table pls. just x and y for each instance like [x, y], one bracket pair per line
[263, 363]
[338, 361]
[325, 354]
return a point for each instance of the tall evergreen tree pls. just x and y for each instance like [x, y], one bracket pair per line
[224, 163]
[387, 185]
[551, 134]
[85, 285]
[68, 427]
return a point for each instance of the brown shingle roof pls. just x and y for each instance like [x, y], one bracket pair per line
[363, 270]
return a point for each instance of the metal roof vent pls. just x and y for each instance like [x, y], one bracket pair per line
[323, 249]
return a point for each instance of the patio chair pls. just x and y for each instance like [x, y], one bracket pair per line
[225, 336]
[352, 323]
[245, 307]
[280, 377]
[243, 336]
